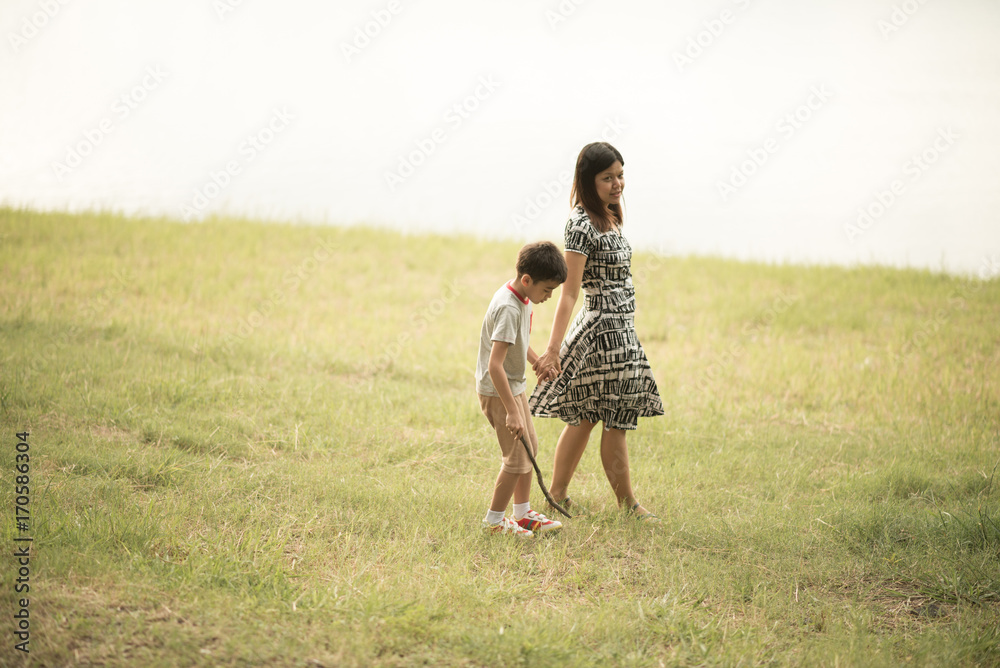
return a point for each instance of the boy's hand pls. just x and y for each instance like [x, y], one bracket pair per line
[545, 375]
[546, 361]
[515, 425]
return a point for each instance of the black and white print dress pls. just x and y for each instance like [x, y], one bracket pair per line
[605, 374]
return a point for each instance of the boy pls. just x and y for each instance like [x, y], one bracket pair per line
[501, 384]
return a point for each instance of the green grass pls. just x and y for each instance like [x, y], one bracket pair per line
[257, 444]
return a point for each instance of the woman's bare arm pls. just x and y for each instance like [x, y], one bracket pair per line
[575, 262]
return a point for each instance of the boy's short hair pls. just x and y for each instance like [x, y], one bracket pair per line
[542, 261]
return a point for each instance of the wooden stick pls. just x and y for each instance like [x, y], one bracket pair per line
[541, 483]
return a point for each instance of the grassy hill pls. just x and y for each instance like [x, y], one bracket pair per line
[260, 444]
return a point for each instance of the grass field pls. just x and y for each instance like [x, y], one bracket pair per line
[259, 444]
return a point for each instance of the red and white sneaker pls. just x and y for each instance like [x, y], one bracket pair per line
[538, 523]
[507, 525]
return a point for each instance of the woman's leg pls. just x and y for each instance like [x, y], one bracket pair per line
[614, 456]
[569, 449]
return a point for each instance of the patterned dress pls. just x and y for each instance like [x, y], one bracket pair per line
[605, 374]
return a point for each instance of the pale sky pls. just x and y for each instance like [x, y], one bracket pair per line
[837, 106]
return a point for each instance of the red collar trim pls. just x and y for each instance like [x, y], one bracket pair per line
[524, 300]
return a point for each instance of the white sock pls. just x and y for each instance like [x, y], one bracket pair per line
[521, 509]
[494, 516]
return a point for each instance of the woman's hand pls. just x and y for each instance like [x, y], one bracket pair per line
[547, 374]
[547, 365]
[575, 263]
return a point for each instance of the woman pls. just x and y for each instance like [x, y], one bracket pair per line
[603, 372]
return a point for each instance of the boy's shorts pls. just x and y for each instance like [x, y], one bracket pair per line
[515, 459]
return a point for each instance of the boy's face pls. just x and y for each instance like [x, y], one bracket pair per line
[537, 291]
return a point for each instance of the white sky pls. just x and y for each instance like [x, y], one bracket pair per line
[682, 130]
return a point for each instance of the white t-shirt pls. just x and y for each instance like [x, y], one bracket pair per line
[508, 319]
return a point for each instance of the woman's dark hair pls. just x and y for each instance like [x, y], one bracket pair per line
[594, 159]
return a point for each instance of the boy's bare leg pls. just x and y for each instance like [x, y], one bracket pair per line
[614, 456]
[569, 449]
[503, 489]
[522, 490]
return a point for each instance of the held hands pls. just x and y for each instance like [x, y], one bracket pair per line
[545, 375]
[547, 366]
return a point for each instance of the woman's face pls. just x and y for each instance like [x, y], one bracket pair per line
[610, 184]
